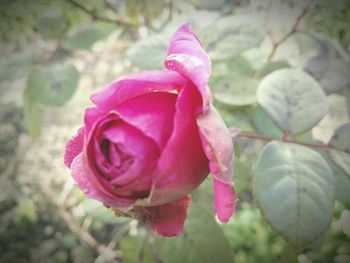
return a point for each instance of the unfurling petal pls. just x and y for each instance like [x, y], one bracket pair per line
[218, 147]
[182, 165]
[186, 55]
[168, 220]
[224, 200]
[74, 147]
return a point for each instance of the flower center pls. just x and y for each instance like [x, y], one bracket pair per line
[116, 161]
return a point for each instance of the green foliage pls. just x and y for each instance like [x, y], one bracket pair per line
[330, 65]
[294, 187]
[231, 35]
[51, 27]
[341, 141]
[98, 211]
[135, 250]
[293, 99]
[53, 85]
[150, 52]
[31, 115]
[264, 124]
[17, 66]
[201, 241]
[26, 211]
[332, 19]
[254, 241]
[83, 38]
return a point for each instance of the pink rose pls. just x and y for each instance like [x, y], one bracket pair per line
[152, 138]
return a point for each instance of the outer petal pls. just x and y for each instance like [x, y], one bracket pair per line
[224, 200]
[186, 55]
[87, 183]
[136, 85]
[182, 165]
[122, 90]
[168, 220]
[217, 144]
[74, 147]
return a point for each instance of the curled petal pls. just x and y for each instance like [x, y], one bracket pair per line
[74, 147]
[186, 55]
[139, 84]
[168, 220]
[218, 147]
[131, 87]
[224, 200]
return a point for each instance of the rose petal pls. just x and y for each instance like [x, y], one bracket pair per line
[122, 90]
[134, 143]
[168, 220]
[139, 84]
[224, 200]
[152, 114]
[74, 147]
[186, 55]
[84, 180]
[182, 165]
[218, 147]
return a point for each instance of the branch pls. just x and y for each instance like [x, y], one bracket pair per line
[117, 20]
[236, 133]
[293, 30]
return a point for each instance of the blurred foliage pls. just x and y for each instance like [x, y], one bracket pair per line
[271, 79]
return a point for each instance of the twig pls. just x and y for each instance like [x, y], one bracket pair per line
[294, 30]
[109, 6]
[246, 134]
[117, 20]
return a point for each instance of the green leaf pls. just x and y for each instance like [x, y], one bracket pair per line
[27, 210]
[235, 90]
[53, 85]
[17, 66]
[263, 122]
[342, 184]
[336, 77]
[100, 212]
[257, 57]
[51, 26]
[83, 38]
[330, 65]
[201, 241]
[271, 67]
[293, 99]
[294, 188]
[242, 177]
[231, 35]
[237, 119]
[135, 250]
[149, 53]
[340, 140]
[238, 65]
[31, 114]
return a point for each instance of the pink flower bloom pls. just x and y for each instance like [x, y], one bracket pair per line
[152, 138]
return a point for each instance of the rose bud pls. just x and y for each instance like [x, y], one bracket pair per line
[152, 139]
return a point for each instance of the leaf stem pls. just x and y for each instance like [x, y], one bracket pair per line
[117, 20]
[294, 29]
[236, 133]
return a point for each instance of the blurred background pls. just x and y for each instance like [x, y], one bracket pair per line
[55, 53]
